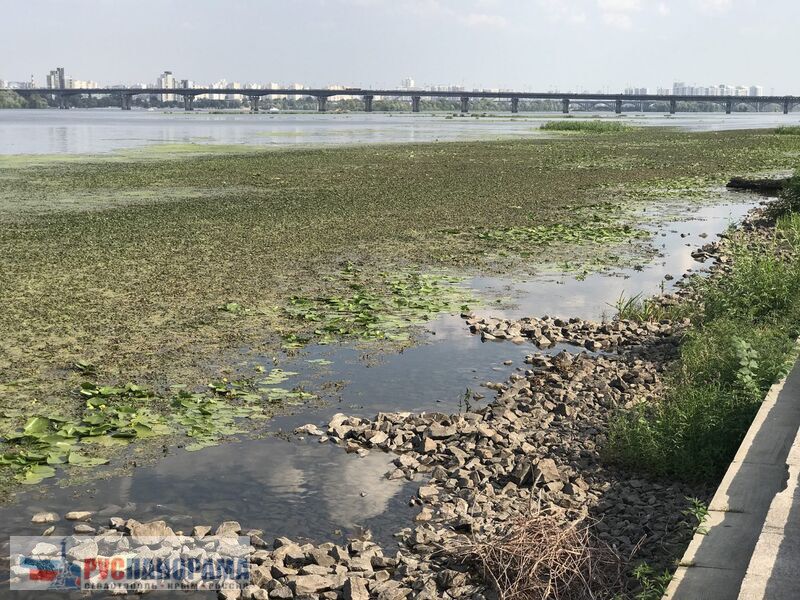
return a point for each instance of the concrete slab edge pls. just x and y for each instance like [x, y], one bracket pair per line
[721, 504]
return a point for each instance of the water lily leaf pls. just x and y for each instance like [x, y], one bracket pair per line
[143, 430]
[199, 445]
[80, 460]
[56, 458]
[35, 474]
[108, 440]
[36, 425]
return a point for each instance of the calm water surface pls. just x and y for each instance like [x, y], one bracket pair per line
[85, 131]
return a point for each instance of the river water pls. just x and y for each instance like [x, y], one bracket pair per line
[91, 131]
[301, 488]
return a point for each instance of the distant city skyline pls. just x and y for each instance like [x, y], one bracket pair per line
[59, 78]
[474, 44]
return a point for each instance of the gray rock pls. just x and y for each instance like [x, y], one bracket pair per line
[440, 432]
[84, 529]
[313, 584]
[45, 549]
[546, 471]
[83, 551]
[309, 429]
[78, 515]
[281, 591]
[355, 588]
[147, 532]
[200, 531]
[44, 517]
[427, 492]
[229, 529]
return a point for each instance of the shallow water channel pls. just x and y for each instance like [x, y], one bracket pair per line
[307, 490]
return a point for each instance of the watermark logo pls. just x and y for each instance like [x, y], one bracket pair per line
[114, 561]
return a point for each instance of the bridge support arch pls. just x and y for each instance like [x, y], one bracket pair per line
[322, 103]
[565, 106]
[368, 103]
[416, 101]
[515, 105]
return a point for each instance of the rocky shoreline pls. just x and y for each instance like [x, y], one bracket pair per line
[536, 448]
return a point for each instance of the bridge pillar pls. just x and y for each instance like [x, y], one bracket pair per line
[728, 107]
[416, 101]
[368, 103]
[787, 106]
[126, 101]
[464, 104]
[515, 105]
[254, 103]
[618, 106]
[188, 102]
[322, 103]
[673, 106]
[565, 106]
[62, 101]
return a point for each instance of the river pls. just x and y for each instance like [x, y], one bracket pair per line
[91, 131]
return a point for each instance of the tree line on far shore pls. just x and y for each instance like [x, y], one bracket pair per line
[10, 99]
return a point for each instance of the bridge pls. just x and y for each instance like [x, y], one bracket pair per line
[619, 102]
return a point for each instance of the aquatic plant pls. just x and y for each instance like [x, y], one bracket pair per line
[384, 311]
[116, 416]
[596, 126]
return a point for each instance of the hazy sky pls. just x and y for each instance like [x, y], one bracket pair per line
[521, 44]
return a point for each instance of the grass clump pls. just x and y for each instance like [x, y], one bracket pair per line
[746, 322]
[586, 126]
[788, 130]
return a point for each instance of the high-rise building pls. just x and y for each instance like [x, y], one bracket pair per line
[408, 83]
[274, 86]
[235, 85]
[756, 90]
[56, 79]
[80, 84]
[166, 81]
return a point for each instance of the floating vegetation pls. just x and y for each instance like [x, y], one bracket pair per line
[598, 232]
[586, 126]
[115, 416]
[383, 310]
[674, 188]
[232, 234]
[234, 308]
